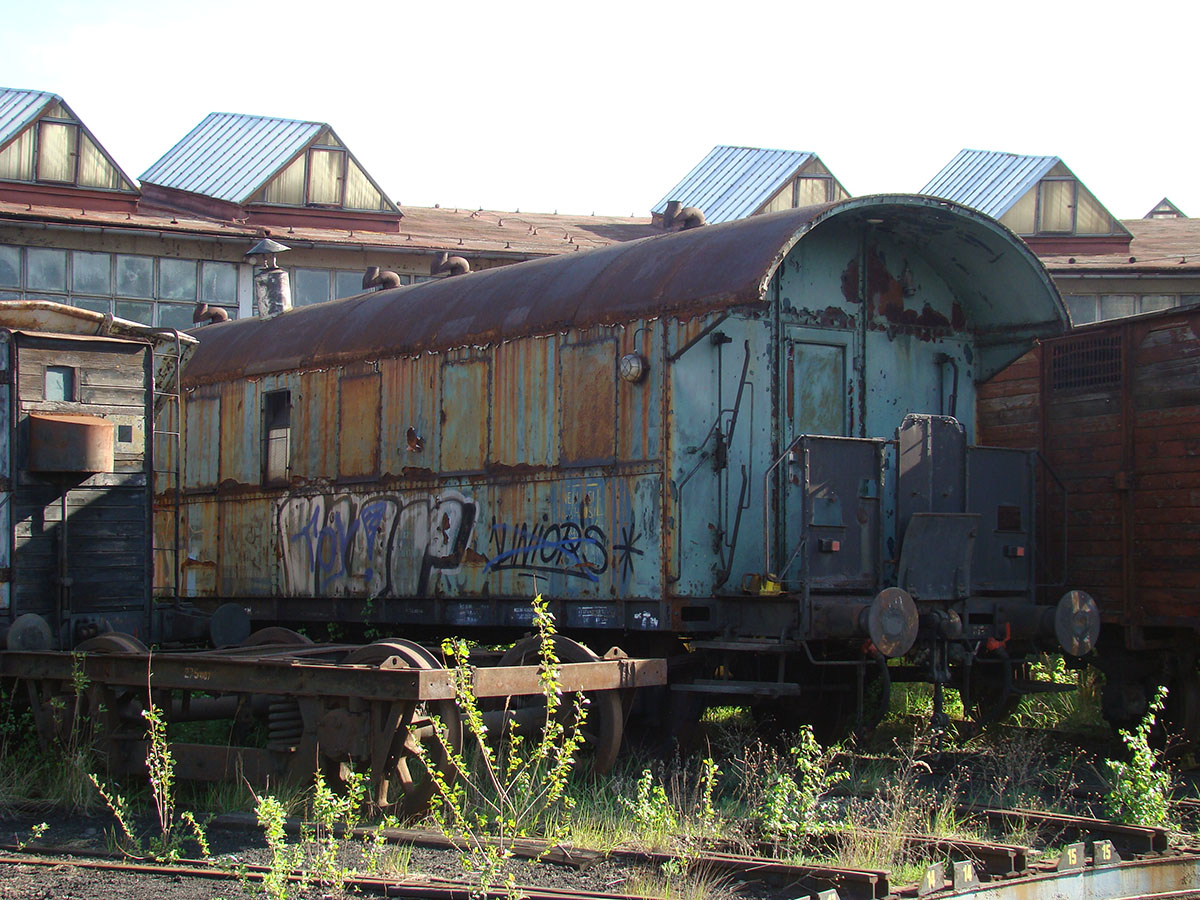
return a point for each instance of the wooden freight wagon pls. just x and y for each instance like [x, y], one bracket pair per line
[1114, 408]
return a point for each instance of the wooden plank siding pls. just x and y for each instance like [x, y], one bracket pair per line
[1127, 446]
[107, 513]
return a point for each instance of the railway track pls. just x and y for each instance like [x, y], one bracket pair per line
[1107, 862]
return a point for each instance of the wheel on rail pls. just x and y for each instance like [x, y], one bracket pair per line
[404, 735]
[115, 712]
[830, 704]
[990, 694]
[275, 636]
[111, 642]
[604, 720]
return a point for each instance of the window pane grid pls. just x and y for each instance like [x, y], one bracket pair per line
[138, 288]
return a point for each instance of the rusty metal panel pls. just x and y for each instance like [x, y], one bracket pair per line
[588, 404]
[524, 403]
[314, 443]
[591, 536]
[464, 414]
[358, 432]
[639, 405]
[246, 560]
[241, 433]
[409, 421]
[201, 534]
[203, 435]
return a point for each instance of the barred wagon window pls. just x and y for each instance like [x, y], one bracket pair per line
[1091, 362]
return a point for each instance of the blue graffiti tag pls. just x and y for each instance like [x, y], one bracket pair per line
[560, 548]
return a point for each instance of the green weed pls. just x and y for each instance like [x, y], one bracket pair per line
[1140, 789]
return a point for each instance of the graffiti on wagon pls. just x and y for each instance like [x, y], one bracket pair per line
[371, 545]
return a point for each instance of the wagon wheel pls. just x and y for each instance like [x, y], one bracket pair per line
[403, 735]
[991, 693]
[604, 723]
[275, 636]
[829, 706]
[111, 709]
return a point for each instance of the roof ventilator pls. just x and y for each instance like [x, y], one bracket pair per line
[375, 278]
[676, 213]
[451, 265]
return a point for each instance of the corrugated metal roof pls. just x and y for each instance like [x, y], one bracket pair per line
[989, 181]
[18, 109]
[734, 182]
[229, 156]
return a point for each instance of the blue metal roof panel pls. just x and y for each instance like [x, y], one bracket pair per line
[734, 182]
[988, 181]
[228, 156]
[18, 109]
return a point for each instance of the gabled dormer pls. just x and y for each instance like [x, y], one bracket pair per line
[1038, 197]
[736, 182]
[1165, 209]
[269, 171]
[49, 157]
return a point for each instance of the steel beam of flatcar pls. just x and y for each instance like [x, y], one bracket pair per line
[303, 678]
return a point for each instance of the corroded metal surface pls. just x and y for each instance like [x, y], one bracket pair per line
[316, 678]
[683, 273]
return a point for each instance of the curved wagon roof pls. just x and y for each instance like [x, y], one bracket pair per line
[1007, 296]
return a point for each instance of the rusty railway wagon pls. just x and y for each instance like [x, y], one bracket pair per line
[91, 407]
[1115, 409]
[746, 448]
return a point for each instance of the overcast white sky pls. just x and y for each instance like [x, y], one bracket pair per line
[602, 107]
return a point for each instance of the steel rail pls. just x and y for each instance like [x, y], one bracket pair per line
[851, 884]
[1134, 838]
[418, 888]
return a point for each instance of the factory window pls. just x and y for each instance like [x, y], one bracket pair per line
[287, 187]
[177, 279]
[277, 437]
[10, 266]
[325, 175]
[310, 286]
[218, 283]
[1085, 308]
[176, 315]
[16, 160]
[47, 269]
[91, 273]
[60, 383]
[135, 311]
[56, 151]
[347, 284]
[131, 287]
[360, 193]
[325, 178]
[135, 276]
